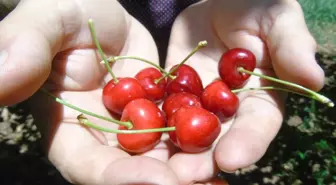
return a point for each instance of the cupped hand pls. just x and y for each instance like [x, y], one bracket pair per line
[275, 31]
[49, 44]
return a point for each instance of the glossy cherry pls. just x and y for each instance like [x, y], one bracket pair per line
[155, 92]
[117, 95]
[177, 100]
[196, 128]
[144, 114]
[229, 63]
[220, 100]
[187, 80]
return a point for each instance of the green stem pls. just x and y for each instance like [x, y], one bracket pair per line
[129, 125]
[83, 120]
[311, 94]
[200, 45]
[268, 88]
[115, 58]
[101, 53]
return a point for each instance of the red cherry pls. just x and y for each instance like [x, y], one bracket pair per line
[219, 99]
[144, 114]
[196, 128]
[117, 96]
[187, 80]
[155, 92]
[231, 61]
[175, 101]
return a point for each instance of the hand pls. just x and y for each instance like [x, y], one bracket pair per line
[49, 43]
[276, 33]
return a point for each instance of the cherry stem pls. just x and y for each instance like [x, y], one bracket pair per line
[83, 120]
[100, 50]
[200, 45]
[311, 94]
[129, 125]
[115, 58]
[267, 88]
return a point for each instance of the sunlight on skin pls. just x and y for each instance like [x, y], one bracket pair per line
[85, 156]
[247, 137]
[70, 146]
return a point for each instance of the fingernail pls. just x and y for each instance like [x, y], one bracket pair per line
[3, 57]
[228, 171]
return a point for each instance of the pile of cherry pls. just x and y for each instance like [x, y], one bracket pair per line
[195, 112]
[191, 113]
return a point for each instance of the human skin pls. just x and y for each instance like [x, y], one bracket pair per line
[49, 43]
[275, 31]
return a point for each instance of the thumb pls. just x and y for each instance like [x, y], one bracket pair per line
[25, 52]
[292, 48]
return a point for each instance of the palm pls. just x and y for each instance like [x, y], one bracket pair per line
[78, 77]
[259, 115]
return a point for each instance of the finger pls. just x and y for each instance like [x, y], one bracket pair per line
[163, 151]
[242, 34]
[250, 41]
[139, 170]
[26, 49]
[257, 122]
[189, 28]
[139, 43]
[214, 181]
[292, 47]
[194, 168]
[33, 33]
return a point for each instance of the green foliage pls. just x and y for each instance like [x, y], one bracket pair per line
[320, 16]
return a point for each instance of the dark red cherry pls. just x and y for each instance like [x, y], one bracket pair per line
[219, 99]
[187, 80]
[230, 61]
[117, 96]
[155, 92]
[196, 128]
[144, 114]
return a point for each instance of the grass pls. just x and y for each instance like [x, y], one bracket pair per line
[320, 17]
